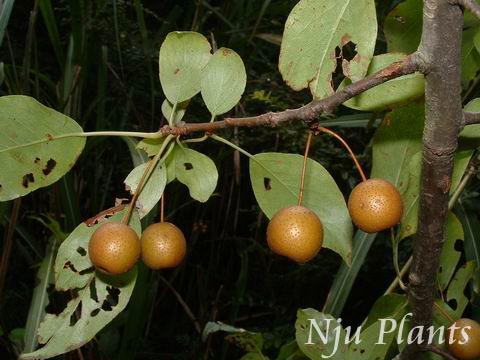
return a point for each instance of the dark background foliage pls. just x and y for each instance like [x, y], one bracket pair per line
[98, 62]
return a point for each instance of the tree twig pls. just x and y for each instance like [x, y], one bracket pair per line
[310, 112]
[440, 50]
[440, 352]
[470, 118]
[470, 5]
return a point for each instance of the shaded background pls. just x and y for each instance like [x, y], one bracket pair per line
[97, 61]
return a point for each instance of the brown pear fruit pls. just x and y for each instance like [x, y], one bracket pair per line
[295, 232]
[114, 248]
[163, 246]
[375, 205]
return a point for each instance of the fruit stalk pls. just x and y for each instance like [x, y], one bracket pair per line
[349, 149]
[304, 168]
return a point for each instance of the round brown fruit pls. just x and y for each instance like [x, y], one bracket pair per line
[461, 347]
[163, 246]
[295, 232]
[375, 205]
[114, 248]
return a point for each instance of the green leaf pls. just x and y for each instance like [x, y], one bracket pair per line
[450, 256]
[290, 351]
[99, 298]
[223, 81]
[390, 94]
[470, 56]
[247, 341]
[183, 55]
[373, 346]
[403, 27]
[151, 146]
[458, 285]
[318, 342]
[471, 226]
[408, 225]
[313, 30]
[153, 189]
[197, 171]
[45, 277]
[29, 160]
[346, 275]
[396, 141]
[385, 306]
[275, 180]
[167, 109]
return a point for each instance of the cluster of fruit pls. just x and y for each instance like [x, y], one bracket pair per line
[115, 248]
[297, 233]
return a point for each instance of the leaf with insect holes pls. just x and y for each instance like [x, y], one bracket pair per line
[197, 171]
[456, 289]
[450, 253]
[153, 188]
[390, 94]
[316, 333]
[183, 55]
[275, 180]
[314, 31]
[99, 298]
[29, 159]
[223, 81]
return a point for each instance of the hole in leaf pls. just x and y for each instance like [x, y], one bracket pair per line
[93, 291]
[49, 167]
[440, 269]
[58, 300]
[362, 351]
[36, 160]
[266, 183]
[81, 251]
[112, 298]
[88, 270]
[458, 245]
[453, 304]
[94, 312]
[188, 166]
[69, 265]
[76, 314]
[28, 178]
[343, 55]
[349, 51]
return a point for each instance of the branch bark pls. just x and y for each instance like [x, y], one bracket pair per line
[310, 112]
[440, 49]
[470, 118]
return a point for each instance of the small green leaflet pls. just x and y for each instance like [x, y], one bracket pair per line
[167, 109]
[99, 299]
[197, 171]
[183, 55]
[153, 189]
[30, 160]
[313, 31]
[275, 180]
[223, 81]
